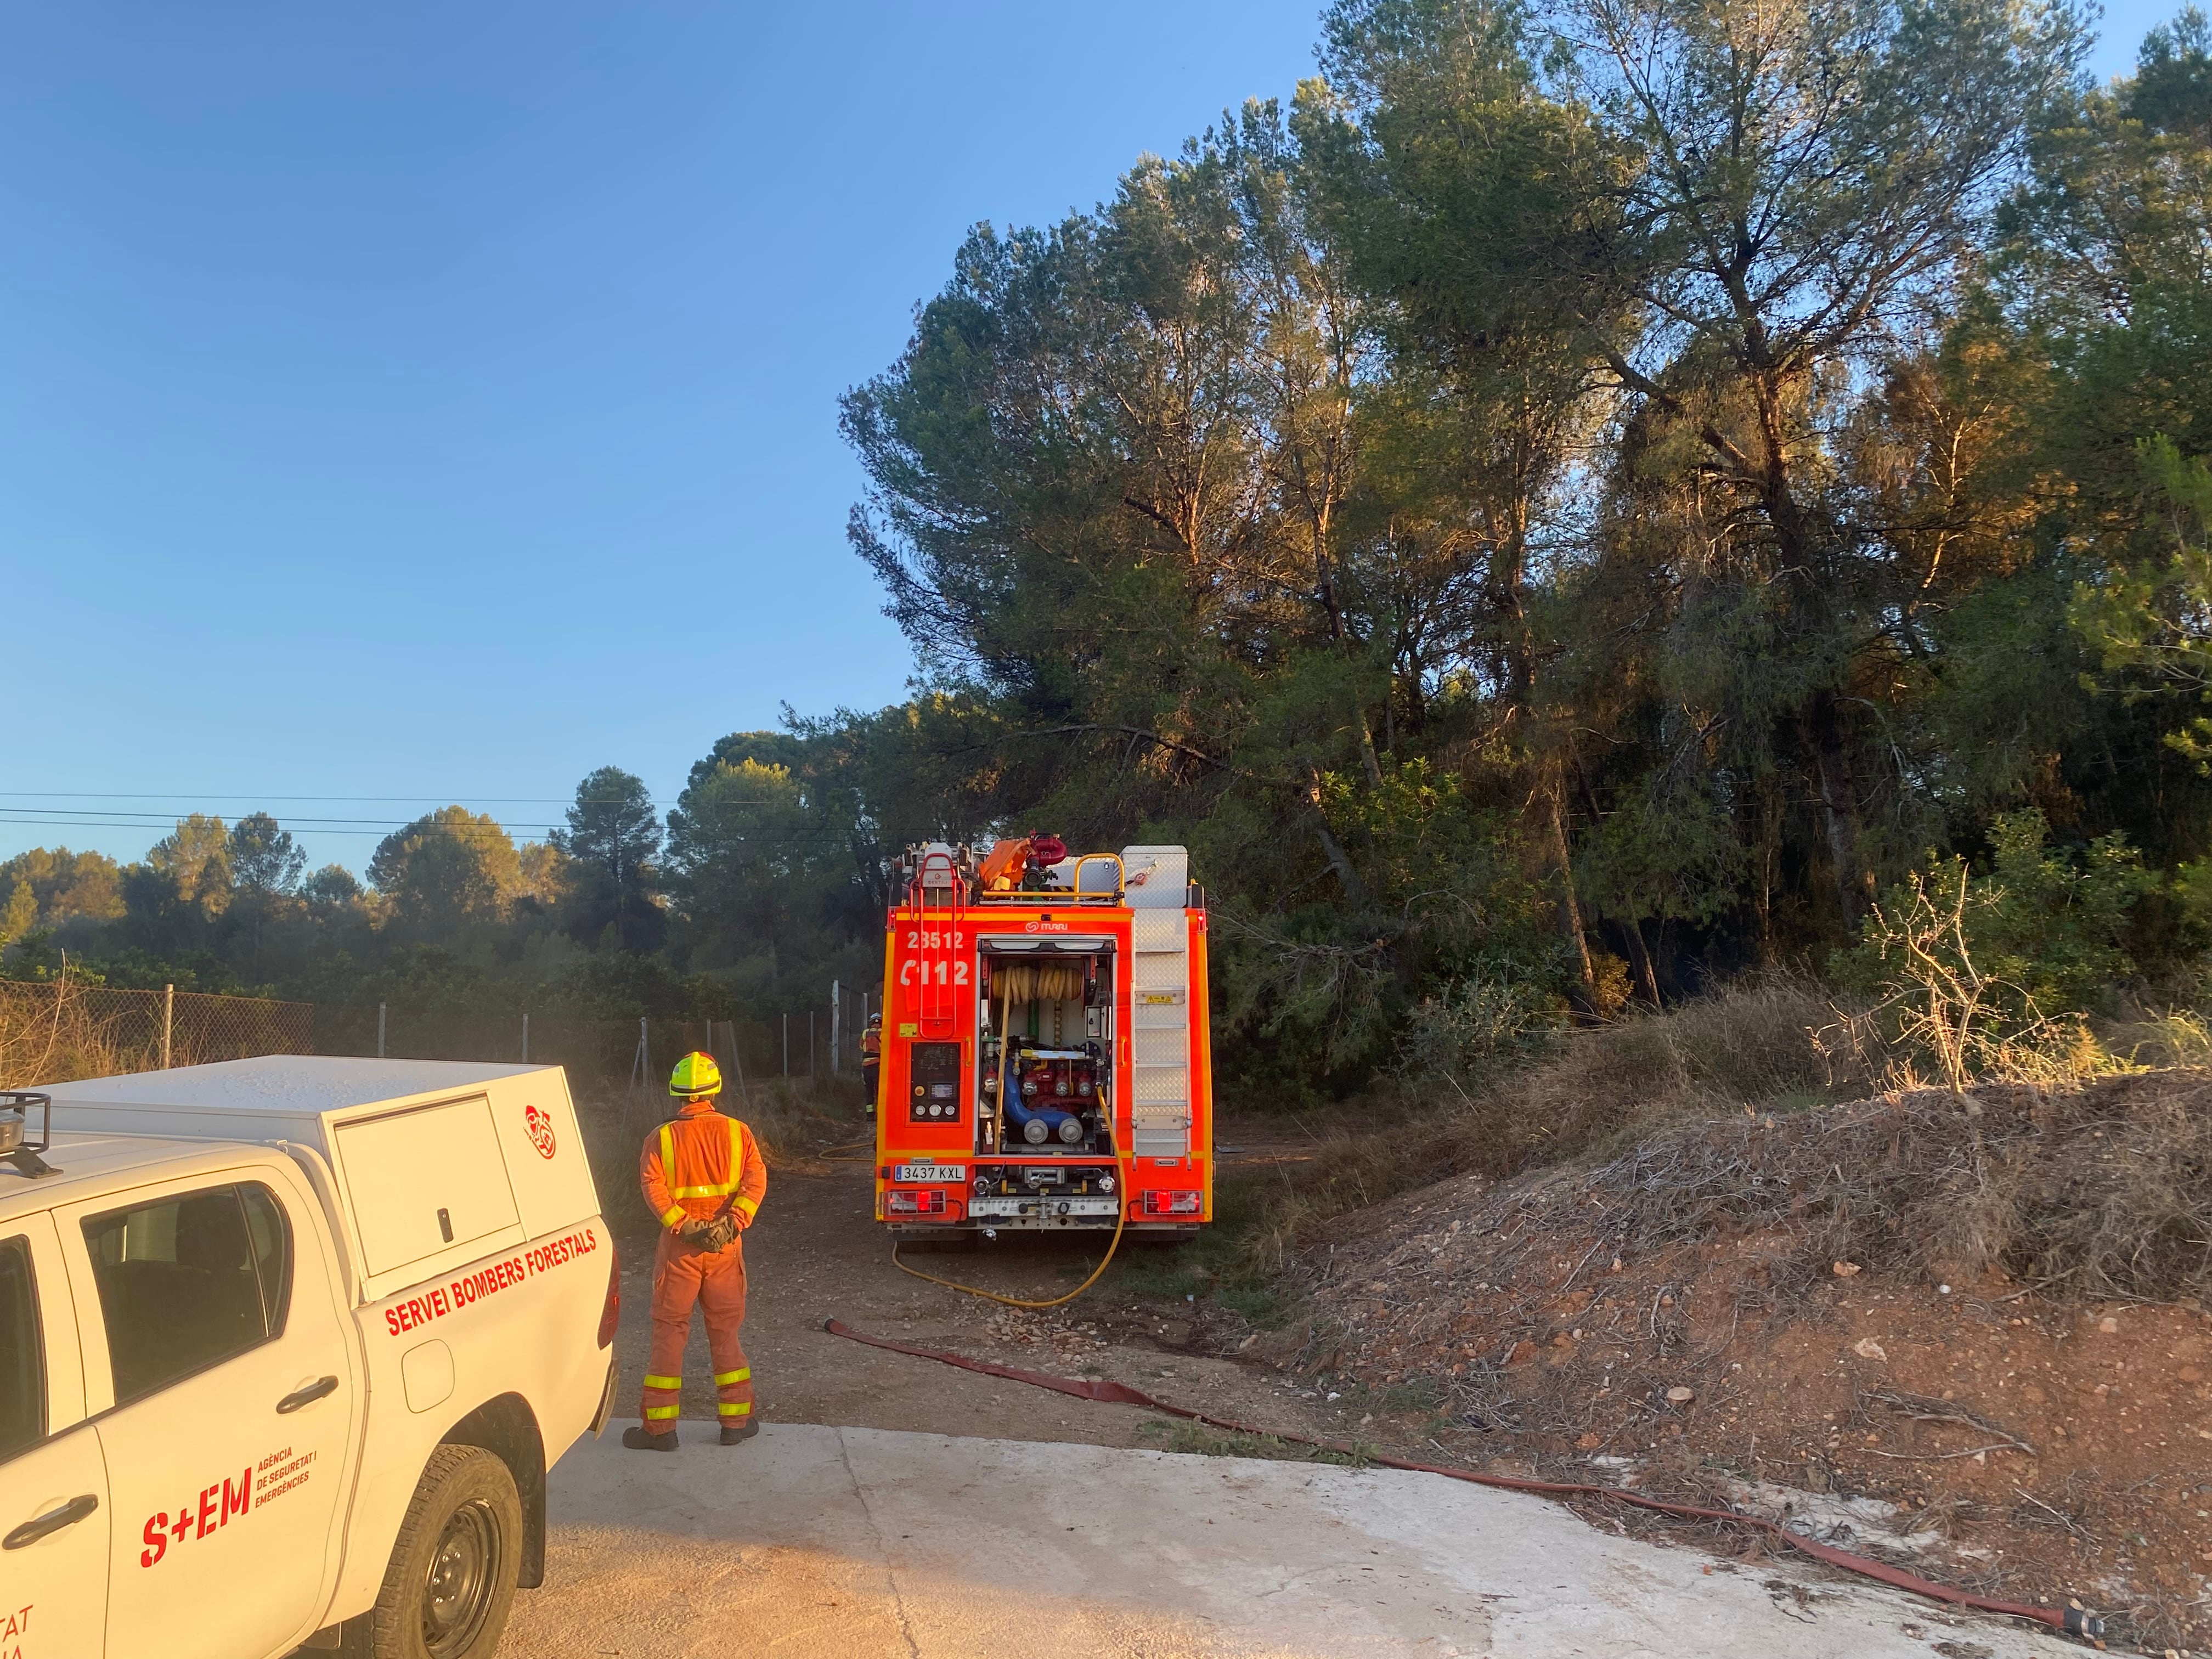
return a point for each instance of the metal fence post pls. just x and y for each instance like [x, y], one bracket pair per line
[525, 1039]
[836, 1008]
[786, 1048]
[737, 1064]
[810, 1051]
[168, 1021]
[379, 1030]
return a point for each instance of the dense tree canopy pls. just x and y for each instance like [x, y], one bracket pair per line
[1586, 498]
[1599, 489]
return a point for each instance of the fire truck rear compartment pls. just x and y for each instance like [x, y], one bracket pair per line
[1048, 1038]
[1045, 1076]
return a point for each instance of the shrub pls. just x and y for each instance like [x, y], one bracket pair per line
[1990, 976]
[1470, 1027]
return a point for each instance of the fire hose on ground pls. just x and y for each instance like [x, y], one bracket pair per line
[2073, 1620]
[1120, 1217]
[1121, 1210]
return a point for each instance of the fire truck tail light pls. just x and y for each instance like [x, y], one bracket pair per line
[915, 1204]
[1157, 1203]
[610, 1315]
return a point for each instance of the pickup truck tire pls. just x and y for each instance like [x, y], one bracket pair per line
[450, 1582]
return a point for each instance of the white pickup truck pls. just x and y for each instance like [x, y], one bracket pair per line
[287, 1346]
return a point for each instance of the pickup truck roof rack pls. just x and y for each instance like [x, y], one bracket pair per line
[15, 1143]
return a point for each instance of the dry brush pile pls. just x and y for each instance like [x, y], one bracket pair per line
[2102, 1191]
[2105, 1190]
[1966, 1309]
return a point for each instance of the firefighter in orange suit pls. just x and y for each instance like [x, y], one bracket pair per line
[703, 1176]
[872, 1059]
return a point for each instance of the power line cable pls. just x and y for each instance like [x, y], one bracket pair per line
[458, 831]
[44, 814]
[145, 811]
[448, 799]
[94, 817]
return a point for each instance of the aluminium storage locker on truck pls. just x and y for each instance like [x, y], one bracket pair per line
[437, 1163]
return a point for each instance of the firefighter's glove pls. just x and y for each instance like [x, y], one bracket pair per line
[692, 1230]
[716, 1235]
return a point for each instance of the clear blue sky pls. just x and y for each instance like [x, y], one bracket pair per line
[435, 401]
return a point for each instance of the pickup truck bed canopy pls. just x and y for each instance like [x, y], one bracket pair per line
[437, 1162]
[232, 1097]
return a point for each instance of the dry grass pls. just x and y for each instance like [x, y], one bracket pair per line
[2109, 1191]
[2178, 1038]
[1753, 1042]
[55, 1031]
[56, 1036]
[1267, 1211]
[1760, 1041]
[2098, 1191]
[1560, 1311]
[795, 1127]
[2094, 1174]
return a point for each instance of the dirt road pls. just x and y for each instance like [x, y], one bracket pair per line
[816, 1253]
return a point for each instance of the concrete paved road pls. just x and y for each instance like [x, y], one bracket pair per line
[851, 1543]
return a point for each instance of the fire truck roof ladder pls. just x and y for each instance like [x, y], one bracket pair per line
[938, 886]
[1159, 939]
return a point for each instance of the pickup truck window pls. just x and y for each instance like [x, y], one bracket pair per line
[189, 1281]
[23, 1356]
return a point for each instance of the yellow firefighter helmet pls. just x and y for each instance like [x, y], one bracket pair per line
[696, 1077]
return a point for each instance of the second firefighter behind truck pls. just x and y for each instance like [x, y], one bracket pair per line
[871, 1059]
[703, 1176]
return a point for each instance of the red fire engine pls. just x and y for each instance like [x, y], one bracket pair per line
[1046, 1062]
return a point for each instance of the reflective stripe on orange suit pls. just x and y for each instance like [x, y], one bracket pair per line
[686, 1169]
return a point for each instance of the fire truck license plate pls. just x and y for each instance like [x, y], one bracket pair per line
[928, 1172]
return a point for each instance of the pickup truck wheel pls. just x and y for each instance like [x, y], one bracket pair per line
[451, 1583]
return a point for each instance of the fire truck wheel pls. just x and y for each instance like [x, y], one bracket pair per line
[450, 1582]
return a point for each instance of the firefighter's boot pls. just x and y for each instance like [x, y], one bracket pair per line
[644, 1439]
[739, 1431]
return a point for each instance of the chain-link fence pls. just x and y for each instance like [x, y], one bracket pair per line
[618, 1069]
[600, 1053]
[782, 1074]
[51, 1032]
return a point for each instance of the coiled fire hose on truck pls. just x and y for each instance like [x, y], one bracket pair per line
[2073, 1619]
[1121, 1209]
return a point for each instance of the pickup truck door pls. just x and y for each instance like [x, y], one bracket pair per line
[54, 1512]
[213, 1316]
